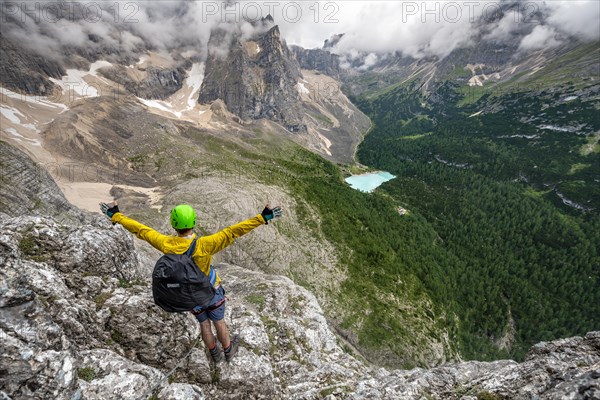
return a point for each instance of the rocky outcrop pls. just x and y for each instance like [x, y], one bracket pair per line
[256, 78]
[317, 60]
[24, 71]
[332, 41]
[27, 188]
[77, 321]
[158, 83]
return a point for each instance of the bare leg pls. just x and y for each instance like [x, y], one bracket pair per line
[207, 335]
[222, 332]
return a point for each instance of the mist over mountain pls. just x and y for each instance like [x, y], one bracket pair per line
[413, 29]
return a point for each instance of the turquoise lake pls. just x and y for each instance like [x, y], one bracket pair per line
[369, 182]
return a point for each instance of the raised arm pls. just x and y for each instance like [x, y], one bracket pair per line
[143, 232]
[212, 244]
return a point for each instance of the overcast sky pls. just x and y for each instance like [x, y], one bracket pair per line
[416, 28]
[436, 27]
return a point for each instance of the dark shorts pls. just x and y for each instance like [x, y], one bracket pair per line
[218, 313]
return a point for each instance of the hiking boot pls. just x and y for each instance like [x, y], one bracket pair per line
[216, 354]
[232, 349]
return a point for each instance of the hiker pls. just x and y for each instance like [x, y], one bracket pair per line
[183, 220]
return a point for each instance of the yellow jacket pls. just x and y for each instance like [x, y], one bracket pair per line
[206, 246]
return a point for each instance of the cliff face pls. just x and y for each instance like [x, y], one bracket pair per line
[27, 188]
[158, 83]
[256, 79]
[24, 71]
[318, 60]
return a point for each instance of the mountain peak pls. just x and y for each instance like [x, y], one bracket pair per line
[333, 40]
[268, 19]
[256, 80]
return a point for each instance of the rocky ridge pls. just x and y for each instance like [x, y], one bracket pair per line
[78, 321]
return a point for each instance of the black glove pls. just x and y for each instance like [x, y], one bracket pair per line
[108, 210]
[270, 213]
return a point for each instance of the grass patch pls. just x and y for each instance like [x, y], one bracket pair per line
[488, 396]
[538, 194]
[138, 161]
[257, 299]
[322, 118]
[27, 246]
[87, 374]
[578, 167]
[124, 283]
[592, 145]
[31, 250]
[158, 164]
[215, 375]
[472, 94]
[414, 137]
[101, 299]
[117, 336]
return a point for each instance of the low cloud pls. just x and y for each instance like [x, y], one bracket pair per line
[51, 28]
[413, 28]
[436, 28]
[542, 37]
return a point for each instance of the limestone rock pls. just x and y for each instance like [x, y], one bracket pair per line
[256, 78]
[37, 192]
[158, 83]
[177, 391]
[317, 60]
[77, 322]
[25, 71]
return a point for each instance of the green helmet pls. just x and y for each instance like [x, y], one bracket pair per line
[183, 217]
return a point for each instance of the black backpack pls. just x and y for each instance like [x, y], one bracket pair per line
[178, 284]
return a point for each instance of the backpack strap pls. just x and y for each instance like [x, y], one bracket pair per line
[212, 274]
[192, 248]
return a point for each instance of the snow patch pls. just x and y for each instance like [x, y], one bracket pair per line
[11, 114]
[74, 81]
[558, 128]
[473, 67]
[327, 144]
[142, 60]
[475, 81]
[449, 163]
[571, 203]
[160, 105]
[17, 136]
[194, 82]
[97, 65]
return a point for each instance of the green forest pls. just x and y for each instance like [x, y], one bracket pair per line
[487, 185]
